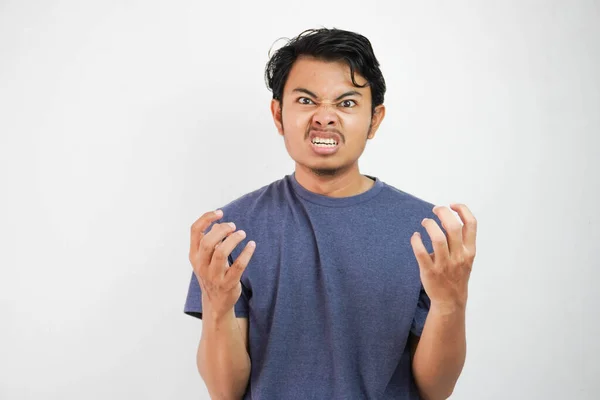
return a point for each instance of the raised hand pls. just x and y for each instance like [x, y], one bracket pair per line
[219, 282]
[445, 273]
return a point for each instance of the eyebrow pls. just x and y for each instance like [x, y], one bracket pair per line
[308, 92]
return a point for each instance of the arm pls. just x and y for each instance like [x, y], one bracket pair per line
[439, 354]
[222, 359]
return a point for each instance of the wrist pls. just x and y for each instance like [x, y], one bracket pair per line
[215, 315]
[209, 311]
[448, 307]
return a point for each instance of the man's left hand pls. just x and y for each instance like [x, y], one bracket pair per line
[445, 273]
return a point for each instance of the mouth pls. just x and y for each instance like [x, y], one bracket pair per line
[323, 142]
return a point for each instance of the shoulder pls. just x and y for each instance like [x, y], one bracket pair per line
[408, 210]
[405, 203]
[257, 201]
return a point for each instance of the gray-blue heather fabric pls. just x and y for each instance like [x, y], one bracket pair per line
[332, 292]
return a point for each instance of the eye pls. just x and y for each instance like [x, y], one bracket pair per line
[305, 100]
[348, 103]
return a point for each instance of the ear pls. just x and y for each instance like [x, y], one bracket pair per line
[276, 112]
[378, 115]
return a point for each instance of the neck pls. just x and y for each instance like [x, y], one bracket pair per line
[345, 183]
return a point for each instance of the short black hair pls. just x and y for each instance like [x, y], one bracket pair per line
[328, 45]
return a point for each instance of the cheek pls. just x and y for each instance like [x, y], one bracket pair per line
[355, 123]
[296, 121]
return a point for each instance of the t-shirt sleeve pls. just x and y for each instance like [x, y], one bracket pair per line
[193, 302]
[421, 312]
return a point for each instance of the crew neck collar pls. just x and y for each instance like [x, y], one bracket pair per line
[336, 201]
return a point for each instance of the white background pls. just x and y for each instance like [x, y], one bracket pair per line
[122, 122]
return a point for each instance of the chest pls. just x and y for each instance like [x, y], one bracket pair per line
[335, 264]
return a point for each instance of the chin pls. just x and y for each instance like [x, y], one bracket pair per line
[324, 169]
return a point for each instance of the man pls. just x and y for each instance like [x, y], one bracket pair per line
[330, 284]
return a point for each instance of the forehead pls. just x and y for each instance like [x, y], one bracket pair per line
[323, 77]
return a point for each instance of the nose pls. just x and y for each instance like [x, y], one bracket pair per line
[325, 116]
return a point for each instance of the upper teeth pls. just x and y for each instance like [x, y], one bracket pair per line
[322, 140]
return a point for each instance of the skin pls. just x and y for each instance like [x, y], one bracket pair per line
[320, 95]
[439, 354]
[312, 100]
[222, 357]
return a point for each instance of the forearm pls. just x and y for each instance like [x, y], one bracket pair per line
[222, 359]
[441, 352]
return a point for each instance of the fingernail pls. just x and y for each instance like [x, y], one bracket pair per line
[251, 243]
[231, 224]
[241, 233]
[218, 213]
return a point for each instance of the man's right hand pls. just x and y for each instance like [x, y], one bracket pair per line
[219, 282]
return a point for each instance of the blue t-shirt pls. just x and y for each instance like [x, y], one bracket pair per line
[331, 293]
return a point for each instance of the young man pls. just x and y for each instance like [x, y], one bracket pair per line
[330, 284]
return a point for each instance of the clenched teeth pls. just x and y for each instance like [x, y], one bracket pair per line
[319, 140]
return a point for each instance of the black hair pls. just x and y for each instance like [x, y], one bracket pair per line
[328, 45]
